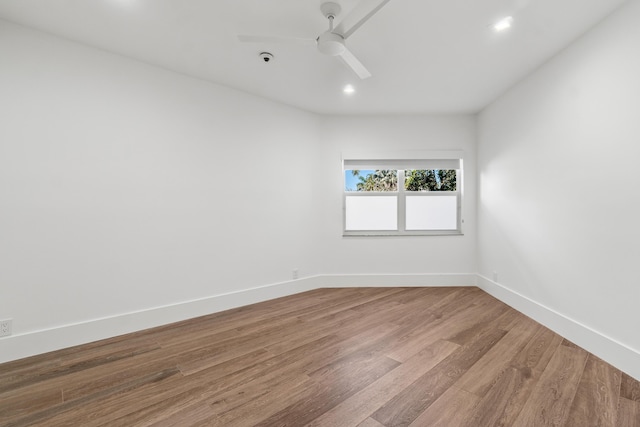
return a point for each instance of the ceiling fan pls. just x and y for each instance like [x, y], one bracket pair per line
[332, 41]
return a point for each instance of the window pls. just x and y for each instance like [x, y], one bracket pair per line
[403, 196]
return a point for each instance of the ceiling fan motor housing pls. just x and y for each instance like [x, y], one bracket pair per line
[331, 44]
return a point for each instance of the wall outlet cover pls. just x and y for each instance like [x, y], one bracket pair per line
[5, 327]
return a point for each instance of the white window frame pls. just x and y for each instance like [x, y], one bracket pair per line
[401, 161]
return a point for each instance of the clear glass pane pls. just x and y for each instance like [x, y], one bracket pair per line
[371, 213]
[432, 213]
[370, 180]
[430, 180]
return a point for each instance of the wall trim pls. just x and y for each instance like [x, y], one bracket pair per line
[42, 341]
[608, 349]
[396, 280]
[19, 346]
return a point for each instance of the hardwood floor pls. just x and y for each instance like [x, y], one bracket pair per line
[365, 357]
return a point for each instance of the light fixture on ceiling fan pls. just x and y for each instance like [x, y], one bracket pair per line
[332, 41]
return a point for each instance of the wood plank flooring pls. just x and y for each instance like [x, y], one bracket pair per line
[366, 357]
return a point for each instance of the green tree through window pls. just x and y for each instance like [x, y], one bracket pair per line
[415, 180]
[379, 180]
[430, 180]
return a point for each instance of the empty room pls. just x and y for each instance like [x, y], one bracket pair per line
[346, 213]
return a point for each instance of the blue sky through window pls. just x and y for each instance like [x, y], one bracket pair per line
[351, 182]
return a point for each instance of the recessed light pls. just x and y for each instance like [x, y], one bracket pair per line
[503, 24]
[349, 90]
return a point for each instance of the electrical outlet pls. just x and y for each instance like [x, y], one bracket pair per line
[5, 327]
[294, 274]
[495, 276]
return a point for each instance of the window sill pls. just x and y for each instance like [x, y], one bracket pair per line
[401, 234]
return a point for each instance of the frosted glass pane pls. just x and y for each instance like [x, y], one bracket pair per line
[432, 213]
[371, 213]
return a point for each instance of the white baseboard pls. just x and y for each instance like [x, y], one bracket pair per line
[42, 341]
[395, 280]
[615, 353]
[37, 342]
[28, 344]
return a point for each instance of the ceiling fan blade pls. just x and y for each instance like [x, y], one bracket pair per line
[358, 16]
[353, 63]
[276, 39]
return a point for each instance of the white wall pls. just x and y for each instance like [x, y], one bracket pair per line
[559, 200]
[125, 187]
[132, 196]
[395, 255]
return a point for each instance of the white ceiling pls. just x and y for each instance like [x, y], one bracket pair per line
[426, 56]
